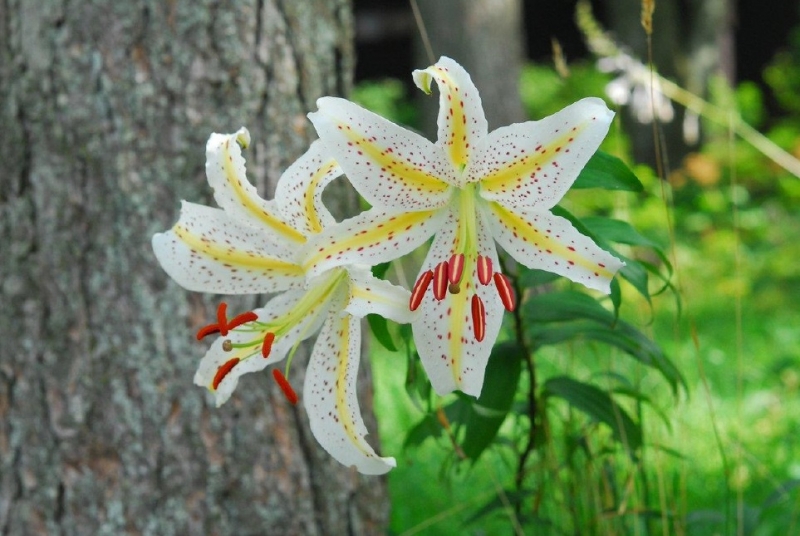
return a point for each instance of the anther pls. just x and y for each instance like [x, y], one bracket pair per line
[223, 326]
[222, 318]
[227, 345]
[283, 383]
[266, 347]
[478, 318]
[207, 330]
[454, 288]
[420, 287]
[223, 371]
[455, 267]
[505, 290]
[484, 267]
[440, 281]
[243, 318]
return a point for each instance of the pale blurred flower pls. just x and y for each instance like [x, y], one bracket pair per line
[638, 88]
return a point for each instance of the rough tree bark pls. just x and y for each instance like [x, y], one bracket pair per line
[105, 109]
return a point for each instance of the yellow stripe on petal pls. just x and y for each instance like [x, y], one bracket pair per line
[390, 161]
[314, 220]
[235, 257]
[343, 410]
[549, 245]
[461, 121]
[458, 146]
[362, 241]
[524, 168]
[247, 200]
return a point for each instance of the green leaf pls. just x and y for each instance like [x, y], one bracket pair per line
[379, 270]
[530, 277]
[380, 329]
[622, 335]
[427, 427]
[599, 405]
[636, 274]
[488, 412]
[565, 305]
[616, 296]
[621, 232]
[609, 172]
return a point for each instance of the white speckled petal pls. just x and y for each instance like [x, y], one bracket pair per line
[532, 165]
[250, 358]
[225, 169]
[370, 295]
[548, 242]
[462, 123]
[388, 165]
[372, 237]
[443, 331]
[208, 251]
[329, 395]
[299, 190]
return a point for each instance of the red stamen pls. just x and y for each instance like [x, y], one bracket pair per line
[420, 287]
[223, 371]
[243, 318]
[222, 326]
[207, 330]
[440, 281]
[478, 318]
[455, 267]
[484, 269]
[505, 290]
[222, 318]
[266, 347]
[283, 383]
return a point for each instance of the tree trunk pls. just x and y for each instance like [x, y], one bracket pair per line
[105, 109]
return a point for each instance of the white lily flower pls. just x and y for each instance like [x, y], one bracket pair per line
[636, 86]
[252, 246]
[471, 188]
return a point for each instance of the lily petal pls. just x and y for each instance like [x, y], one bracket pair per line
[388, 165]
[370, 295]
[532, 165]
[209, 251]
[225, 169]
[246, 342]
[372, 237]
[330, 397]
[548, 242]
[444, 331]
[299, 190]
[462, 123]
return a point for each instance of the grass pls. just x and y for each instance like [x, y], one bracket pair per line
[732, 457]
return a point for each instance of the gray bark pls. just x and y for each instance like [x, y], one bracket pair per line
[105, 109]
